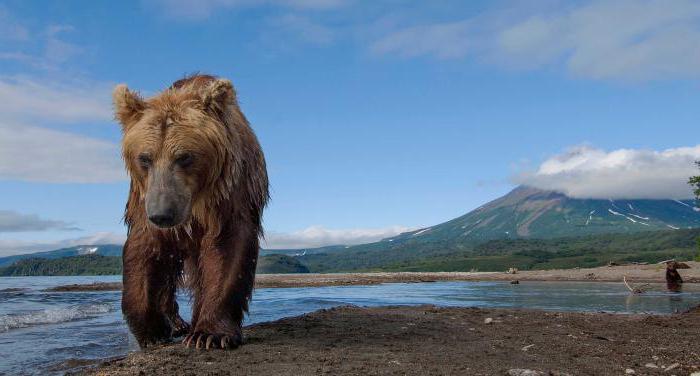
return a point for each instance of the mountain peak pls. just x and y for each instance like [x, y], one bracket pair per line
[528, 212]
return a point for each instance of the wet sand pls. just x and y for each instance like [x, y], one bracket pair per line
[635, 274]
[427, 340]
[95, 286]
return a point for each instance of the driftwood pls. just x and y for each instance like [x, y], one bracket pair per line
[613, 263]
[635, 289]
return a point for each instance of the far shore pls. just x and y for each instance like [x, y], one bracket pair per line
[635, 274]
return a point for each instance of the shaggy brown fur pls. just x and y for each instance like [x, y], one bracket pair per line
[224, 190]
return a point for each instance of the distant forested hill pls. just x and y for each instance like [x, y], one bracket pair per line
[94, 264]
[280, 264]
[72, 265]
[100, 249]
[494, 255]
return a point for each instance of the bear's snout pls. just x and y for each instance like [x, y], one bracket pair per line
[167, 200]
[163, 211]
[162, 220]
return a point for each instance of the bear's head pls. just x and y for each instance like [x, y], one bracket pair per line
[175, 145]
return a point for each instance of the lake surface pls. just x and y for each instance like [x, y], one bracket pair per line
[47, 332]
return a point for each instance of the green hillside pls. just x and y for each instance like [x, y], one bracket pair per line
[494, 255]
[280, 264]
[94, 264]
[455, 255]
[532, 213]
[71, 265]
[524, 213]
[100, 249]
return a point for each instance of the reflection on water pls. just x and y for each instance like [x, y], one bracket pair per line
[42, 330]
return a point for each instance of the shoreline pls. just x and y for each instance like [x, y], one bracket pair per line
[426, 339]
[635, 274]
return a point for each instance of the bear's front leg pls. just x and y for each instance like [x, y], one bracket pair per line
[148, 298]
[224, 287]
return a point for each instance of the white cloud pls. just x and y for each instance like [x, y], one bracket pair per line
[202, 9]
[58, 51]
[626, 39]
[319, 236]
[54, 49]
[10, 247]
[586, 172]
[303, 28]
[26, 98]
[10, 29]
[618, 40]
[445, 41]
[314, 236]
[37, 154]
[11, 221]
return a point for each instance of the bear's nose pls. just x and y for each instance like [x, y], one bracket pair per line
[162, 220]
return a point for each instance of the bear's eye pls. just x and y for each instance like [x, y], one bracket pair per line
[145, 161]
[185, 160]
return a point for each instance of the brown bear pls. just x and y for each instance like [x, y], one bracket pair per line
[198, 188]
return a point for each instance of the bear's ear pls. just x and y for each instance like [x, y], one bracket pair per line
[128, 106]
[217, 95]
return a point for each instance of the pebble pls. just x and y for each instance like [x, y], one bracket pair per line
[672, 366]
[488, 320]
[523, 372]
[651, 365]
[695, 374]
[629, 371]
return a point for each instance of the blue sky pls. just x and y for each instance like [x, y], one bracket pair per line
[375, 117]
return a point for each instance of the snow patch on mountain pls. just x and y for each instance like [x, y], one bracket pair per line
[640, 217]
[590, 217]
[87, 250]
[631, 219]
[683, 203]
[421, 231]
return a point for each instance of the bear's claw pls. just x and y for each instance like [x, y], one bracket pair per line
[180, 327]
[206, 341]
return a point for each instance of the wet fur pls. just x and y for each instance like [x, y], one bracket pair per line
[214, 252]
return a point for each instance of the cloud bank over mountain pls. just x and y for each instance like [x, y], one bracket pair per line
[588, 172]
[319, 236]
[12, 221]
[15, 247]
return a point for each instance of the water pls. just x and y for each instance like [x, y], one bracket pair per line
[46, 332]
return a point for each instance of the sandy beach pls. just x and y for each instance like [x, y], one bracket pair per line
[653, 273]
[427, 340]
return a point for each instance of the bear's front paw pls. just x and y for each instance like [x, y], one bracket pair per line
[205, 340]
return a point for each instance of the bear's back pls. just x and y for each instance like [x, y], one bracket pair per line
[195, 81]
